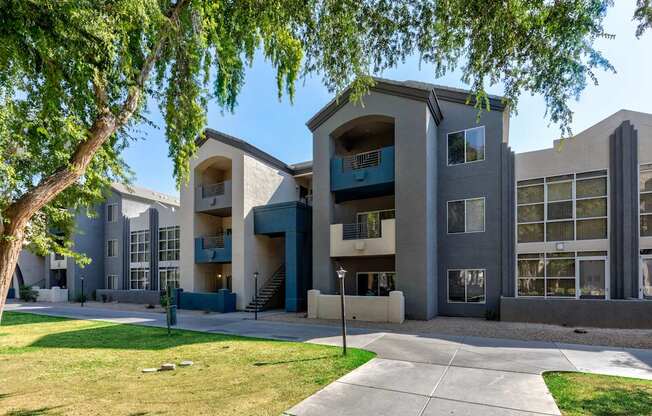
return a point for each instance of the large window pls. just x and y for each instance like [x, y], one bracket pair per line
[369, 223]
[111, 248]
[579, 275]
[466, 285]
[645, 189]
[376, 283]
[466, 146]
[168, 277]
[562, 208]
[139, 279]
[168, 243]
[112, 282]
[466, 216]
[139, 246]
[111, 213]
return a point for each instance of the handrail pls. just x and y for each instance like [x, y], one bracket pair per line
[360, 230]
[215, 241]
[361, 160]
[214, 189]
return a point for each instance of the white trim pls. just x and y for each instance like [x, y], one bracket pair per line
[484, 215]
[113, 208]
[484, 139]
[465, 287]
[115, 252]
[642, 257]
[111, 276]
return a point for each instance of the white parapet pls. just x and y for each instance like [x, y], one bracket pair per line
[361, 308]
[55, 294]
[381, 246]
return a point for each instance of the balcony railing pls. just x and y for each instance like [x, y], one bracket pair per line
[360, 231]
[361, 160]
[215, 189]
[213, 249]
[214, 241]
[363, 239]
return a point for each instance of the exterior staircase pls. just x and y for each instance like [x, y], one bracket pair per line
[268, 291]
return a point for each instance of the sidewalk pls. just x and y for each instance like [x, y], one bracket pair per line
[419, 375]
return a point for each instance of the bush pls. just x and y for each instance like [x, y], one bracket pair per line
[491, 315]
[104, 298]
[81, 298]
[28, 294]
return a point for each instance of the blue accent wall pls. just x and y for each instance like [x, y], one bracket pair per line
[293, 220]
[213, 255]
[365, 182]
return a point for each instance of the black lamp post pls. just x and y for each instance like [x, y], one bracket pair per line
[256, 296]
[341, 273]
[82, 291]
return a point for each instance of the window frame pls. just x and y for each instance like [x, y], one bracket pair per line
[484, 215]
[147, 241]
[466, 302]
[484, 138]
[164, 254]
[166, 271]
[109, 242]
[110, 277]
[113, 210]
[643, 167]
[146, 275]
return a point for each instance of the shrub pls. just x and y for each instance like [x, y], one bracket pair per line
[104, 298]
[28, 294]
[81, 298]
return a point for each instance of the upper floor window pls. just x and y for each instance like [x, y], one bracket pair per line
[139, 246]
[59, 257]
[111, 213]
[466, 216]
[466, 146]
[562, 208]
[112, 248]
[168, 243]
[645, 189]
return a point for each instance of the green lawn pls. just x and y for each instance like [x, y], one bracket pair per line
[52, 366]
[591, 394]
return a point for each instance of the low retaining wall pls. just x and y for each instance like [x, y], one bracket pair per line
[54, 294]
[615, 313]
[223, 301]
[143, 297]
[362, 308]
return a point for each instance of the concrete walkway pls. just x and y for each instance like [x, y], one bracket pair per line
[420, 375]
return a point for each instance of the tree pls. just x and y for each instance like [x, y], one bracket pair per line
[76, 76]
[643, 15]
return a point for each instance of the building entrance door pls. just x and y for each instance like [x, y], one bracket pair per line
[593, 280]
[645, 282]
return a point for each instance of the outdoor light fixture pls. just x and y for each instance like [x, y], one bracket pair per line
[341, 274]
[219, 277]
[256, 296]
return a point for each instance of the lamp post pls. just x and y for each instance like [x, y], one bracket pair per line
[82, 291]
[341, 273]
[219, 277]
[256, 296]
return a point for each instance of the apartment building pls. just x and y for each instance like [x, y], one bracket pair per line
[133, 244]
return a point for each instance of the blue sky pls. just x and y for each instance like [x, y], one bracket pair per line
[278, 127]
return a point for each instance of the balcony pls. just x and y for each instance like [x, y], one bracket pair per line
[359, 239]
[213, 249]
[363, 175]
[214, 199]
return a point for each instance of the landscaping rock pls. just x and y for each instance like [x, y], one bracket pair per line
[150, 370]
[186, 363]
[168, 367]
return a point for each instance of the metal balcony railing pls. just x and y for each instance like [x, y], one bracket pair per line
[214, 241]
[361, 160]
[360, 231]
[215, 189]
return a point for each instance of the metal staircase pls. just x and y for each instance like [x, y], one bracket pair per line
[267, 292]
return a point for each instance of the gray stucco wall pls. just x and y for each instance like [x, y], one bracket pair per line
[482, 250]
[115, 230]
[624, 199]
[89, 241]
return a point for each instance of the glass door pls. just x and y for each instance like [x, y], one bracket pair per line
[593, 280]
[646, 277]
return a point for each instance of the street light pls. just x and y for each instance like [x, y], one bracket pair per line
[255, 296]
[341, 273]
[82, 291]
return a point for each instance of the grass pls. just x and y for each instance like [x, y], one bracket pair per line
[591, 394]
[57, 366]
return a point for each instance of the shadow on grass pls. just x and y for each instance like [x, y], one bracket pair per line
[32, 412]
[18, 318]
[616, 401]
[300, 360]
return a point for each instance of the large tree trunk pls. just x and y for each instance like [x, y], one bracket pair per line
[11, 242]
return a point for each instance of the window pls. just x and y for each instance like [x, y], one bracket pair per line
[580, 275]
[466, 285]
[562, 208]
[111, 248]
[376, 283]
[370, 223]
[112, 282]
[138, 279]
[168, 277]
[168, 243]
[466, 216]
[111, 213]
[139, 246]
[645, 195]
[466, 146]
[59, 257]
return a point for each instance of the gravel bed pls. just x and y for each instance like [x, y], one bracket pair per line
[625, 338]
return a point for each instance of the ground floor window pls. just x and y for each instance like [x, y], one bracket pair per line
[139, 279]
[169, 277]
[376, 283]
[466, 285]
[112, 282]
[645, 284]
[581, 275]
